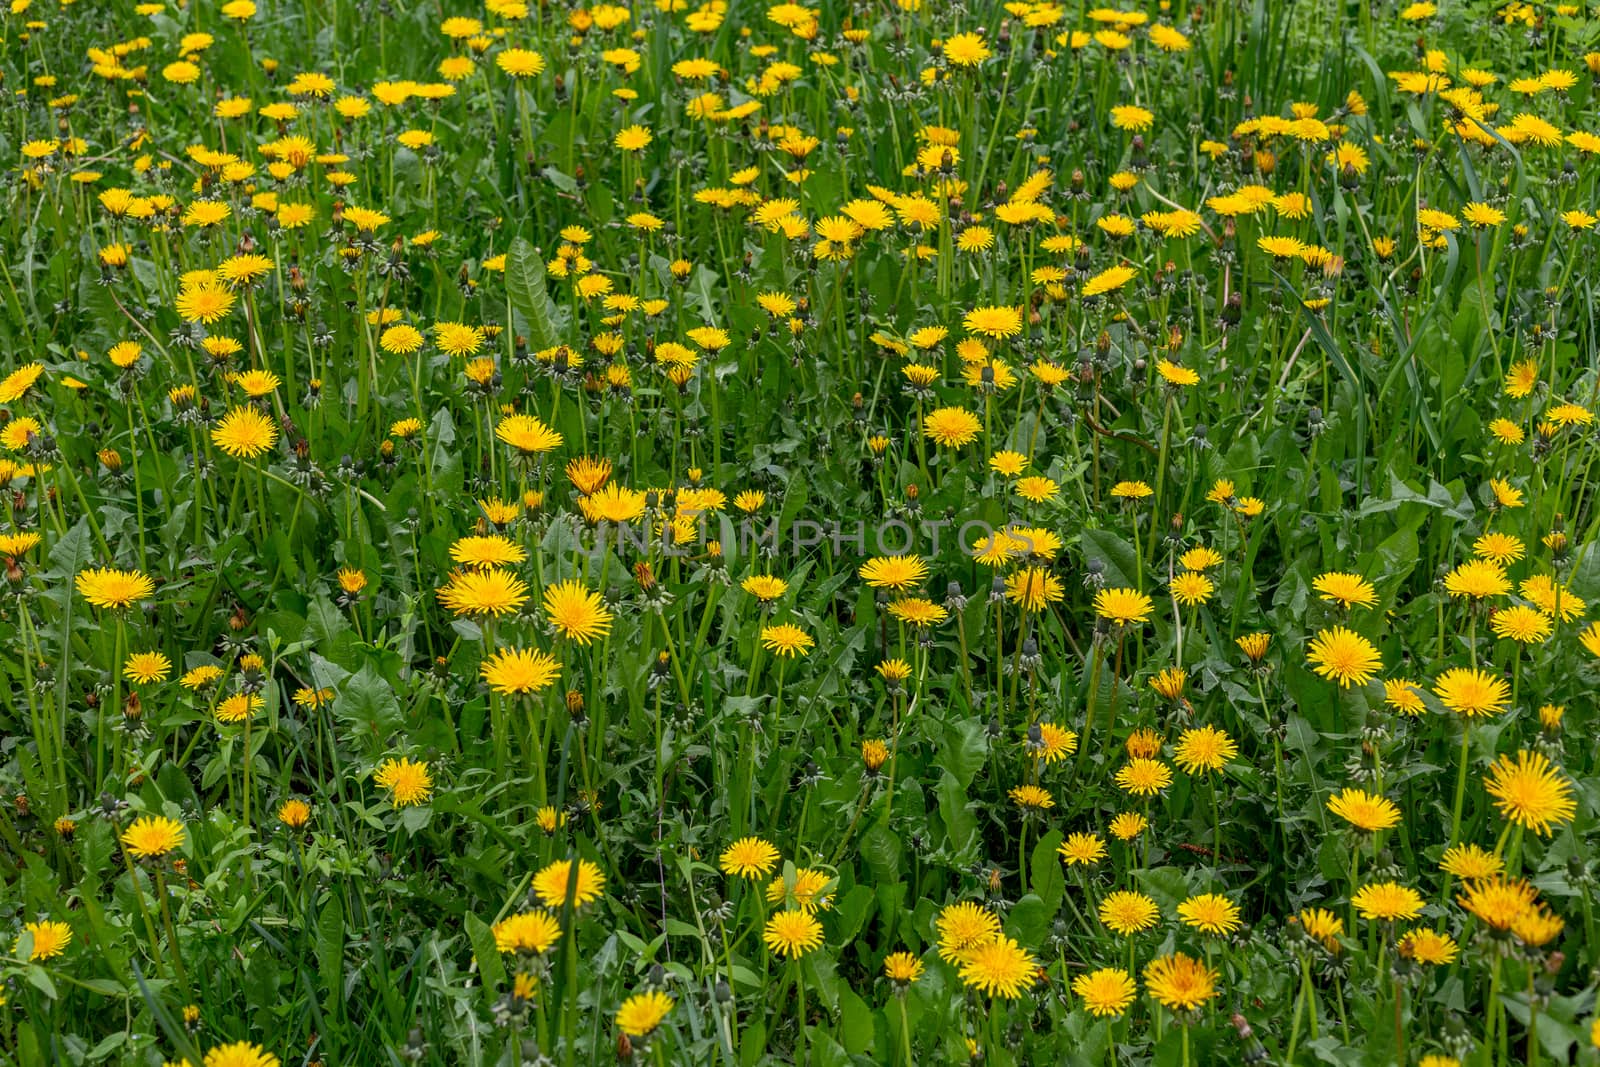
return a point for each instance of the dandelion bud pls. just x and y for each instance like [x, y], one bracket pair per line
[1455, 1036]
[1234, 310]
[1550, 716]
[1139, 153]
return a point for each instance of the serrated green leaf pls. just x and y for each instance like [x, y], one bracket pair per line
[529, 297]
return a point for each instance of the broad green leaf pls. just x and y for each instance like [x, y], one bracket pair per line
[855, 1022]
[965, 748]
[1047, 879]
[959, 822]
[487, 953]
[881, 848]
[330, 953]
[368, 708]
[529, 298]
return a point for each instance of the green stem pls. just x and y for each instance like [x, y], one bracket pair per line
[800, 993]
[1461, 793]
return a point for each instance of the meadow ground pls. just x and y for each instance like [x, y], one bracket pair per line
[877, 533]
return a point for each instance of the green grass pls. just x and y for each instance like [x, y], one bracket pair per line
[829, 296]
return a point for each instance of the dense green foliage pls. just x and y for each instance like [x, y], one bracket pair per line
[865, 533]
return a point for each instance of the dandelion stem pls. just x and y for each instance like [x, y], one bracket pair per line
[144, 910]
[1161, 477]
[800, 1012]
[1461, 791]
[1216, 824]
[905, 1032]
[1095, 656]
[172, 932]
